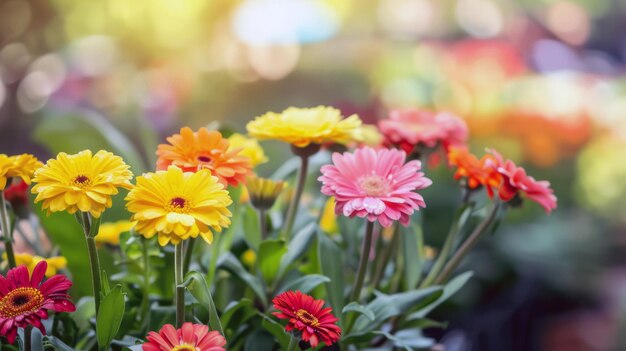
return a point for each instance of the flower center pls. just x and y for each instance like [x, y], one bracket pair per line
[21, 301]
[178, 204]
[184, 347]
[373, 185]
[205, 159]
[307, 318]
[82, 181]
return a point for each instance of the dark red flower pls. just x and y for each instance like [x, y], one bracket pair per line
[308, 316]
[17, 193]
[25, 300]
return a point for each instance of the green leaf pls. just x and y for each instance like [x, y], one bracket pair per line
[409, 339]
[305, 283]
[110, 317]
[57, 343]
[356, 307]
[251, 230]
[450, 289]
[298, 245]
[277, 330]
[331, 265]
[244, 305]
[197, 286]
[259, 340]
[386, 306]
[231, 264]
[270, 254]
[411, 245]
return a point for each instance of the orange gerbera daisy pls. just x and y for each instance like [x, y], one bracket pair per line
[476, 172]
[204, 149]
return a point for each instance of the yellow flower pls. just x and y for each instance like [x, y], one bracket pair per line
[263, 192]
[109, 233]
[54, 263]
[177, 205]
[81, 182]
[429, 252]
[22, 166]
[328, 222]
[369, 135]
[249, 147]
[303, 126]
[248, 257]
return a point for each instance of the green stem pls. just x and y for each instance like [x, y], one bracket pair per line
[145, 303]
[263, 223]
[467, 246]
[386, 255]
[293, 344]
[445, 251]
[295, 201]
[180, 289]
[5, 226]
[95, 271]
[188, 254]
[365, 253]
[28, 338]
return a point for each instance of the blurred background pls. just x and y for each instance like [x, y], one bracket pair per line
[540, 80]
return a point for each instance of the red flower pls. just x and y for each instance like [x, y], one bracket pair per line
[25, 300]
[190, 337]
[515, 180]
[308, 316]
[17, 193]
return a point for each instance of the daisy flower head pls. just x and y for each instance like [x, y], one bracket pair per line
[81, 182]
[177, 205]
[307, 317]
[515, 181]
[301, 127]
[375, 184]
[249, 147]
[109, 232]
[476, 172]
[22, 166]
[204, 149]
[190, 337]
[408, 128]
[25, 300]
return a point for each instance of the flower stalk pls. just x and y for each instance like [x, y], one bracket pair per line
[90, 229]
[5, 226]
[365, 253]
[304, 154]
[293, 343]
[467, 245]
[178, 281]
[386, 255]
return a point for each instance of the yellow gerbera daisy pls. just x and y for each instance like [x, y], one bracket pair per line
[177, 205]
[30, 261]
[81, 182]
[22, 166]
[109, 233]
[249, 147]
[303, 126]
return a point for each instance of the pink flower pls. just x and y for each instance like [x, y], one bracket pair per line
[515, 180]
[410, 127]
[25, 300]
[375, 184]
[190, 337]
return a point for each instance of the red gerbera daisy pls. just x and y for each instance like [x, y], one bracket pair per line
[25, 300]
[190, 337]
[308, 316]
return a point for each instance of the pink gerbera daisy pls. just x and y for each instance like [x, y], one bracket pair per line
[25, 300]
[375, 184]
[190, 337]
[410, 127]
[515, 180]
